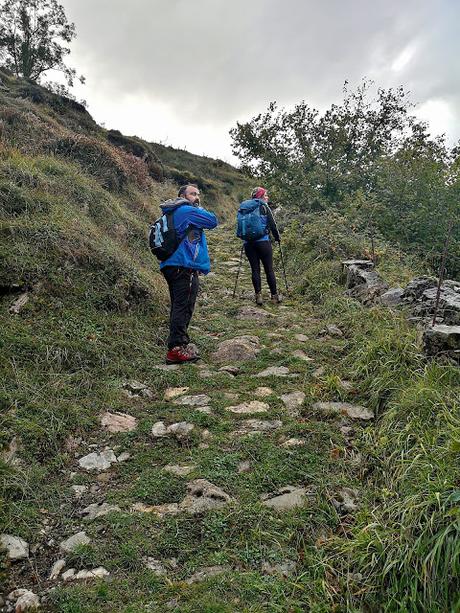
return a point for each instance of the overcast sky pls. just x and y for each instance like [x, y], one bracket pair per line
[182, 72]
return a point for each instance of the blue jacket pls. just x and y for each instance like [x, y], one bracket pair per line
[189, 222]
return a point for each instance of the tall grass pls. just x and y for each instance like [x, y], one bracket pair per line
[402, 553]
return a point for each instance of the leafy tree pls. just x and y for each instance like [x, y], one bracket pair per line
[33, 37]
[367, 156]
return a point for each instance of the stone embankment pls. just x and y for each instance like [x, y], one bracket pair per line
[419, 297]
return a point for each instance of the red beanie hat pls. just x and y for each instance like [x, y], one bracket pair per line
[258, 192]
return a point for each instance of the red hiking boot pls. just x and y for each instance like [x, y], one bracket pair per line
[180, 355]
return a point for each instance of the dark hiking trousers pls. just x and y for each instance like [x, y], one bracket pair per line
[256, 252]
[183, 287]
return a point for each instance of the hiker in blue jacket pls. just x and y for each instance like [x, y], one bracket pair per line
[181, 269]
[260, 249]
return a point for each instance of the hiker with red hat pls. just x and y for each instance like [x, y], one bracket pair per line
[255, 224]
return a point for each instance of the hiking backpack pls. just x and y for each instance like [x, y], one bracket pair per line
[250, 225]
[163, 238]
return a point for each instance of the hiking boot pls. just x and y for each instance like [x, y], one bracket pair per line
[180, 355]
[259, 299]
[276, 298]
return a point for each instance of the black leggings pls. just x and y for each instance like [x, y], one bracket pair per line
[256, 252]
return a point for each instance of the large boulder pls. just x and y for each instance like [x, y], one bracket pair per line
[253, 314]
[363, 282]
[237, 349]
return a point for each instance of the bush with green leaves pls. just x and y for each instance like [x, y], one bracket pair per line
[368, 157]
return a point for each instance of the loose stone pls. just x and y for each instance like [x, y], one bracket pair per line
[346, 500]
[255, 406]
[155, 566]
[232, 370]
[97, 509]
[301, 338]
[293, 401]
[135, 389]
[263, 392]
[256, 426]
[293, 442]
[56, 569]
[24, 600]
[16, 547]
[202, 496]
[179, 471]
[319, 372]
[167, 367]
[230, 396]
[205, 410]
[81, 538]
[181, 430]
[334, 330]
[288, 498]
[198, 400]
[118, 422]
[253, 314]
[301, 355]
[274, 371]
[353, 411]
[244, 467]
[393, 297]
[174, 392]
[19, 304]
[98, 461]
[96, 573]
[159, 430]
[79, 490]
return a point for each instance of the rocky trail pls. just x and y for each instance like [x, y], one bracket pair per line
[220, 484]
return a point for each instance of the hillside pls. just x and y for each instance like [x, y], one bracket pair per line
[309, 462]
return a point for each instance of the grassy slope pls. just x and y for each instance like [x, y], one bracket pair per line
[74, 213]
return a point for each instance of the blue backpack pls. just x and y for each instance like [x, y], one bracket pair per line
[250, 224]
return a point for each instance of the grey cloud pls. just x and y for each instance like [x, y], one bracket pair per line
[214, 60]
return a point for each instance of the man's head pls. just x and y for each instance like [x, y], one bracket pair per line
[260, 193]
[191, 193]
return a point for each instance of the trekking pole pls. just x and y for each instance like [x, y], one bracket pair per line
[284, 268]
[442, 270]
[239, 268]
